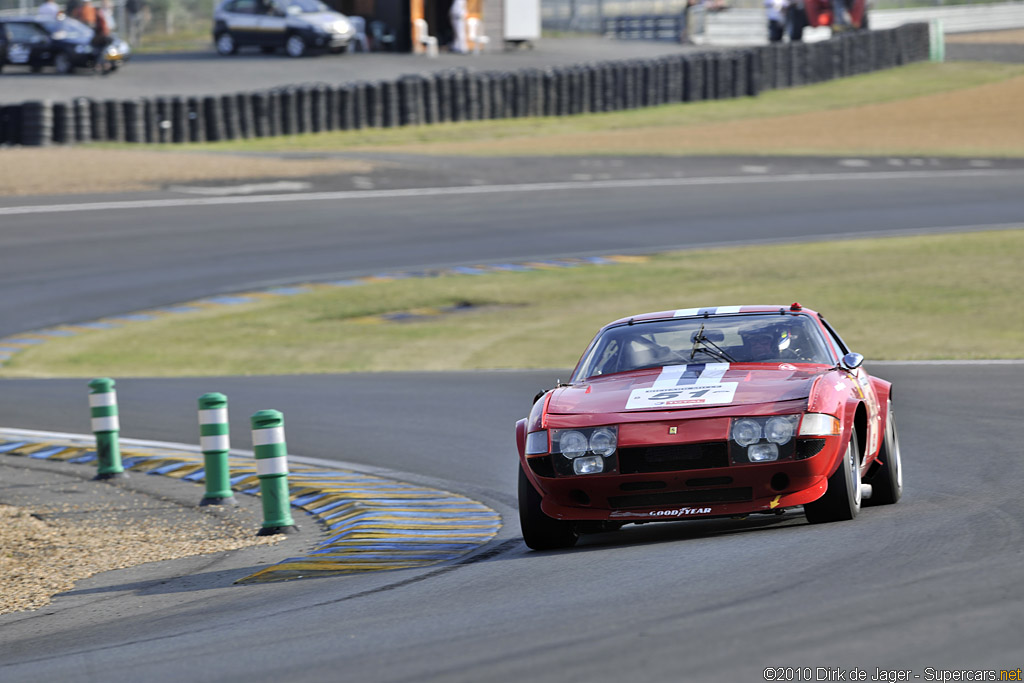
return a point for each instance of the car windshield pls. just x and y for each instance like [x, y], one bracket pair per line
[759, 338]
[307, 6]
[67, 28]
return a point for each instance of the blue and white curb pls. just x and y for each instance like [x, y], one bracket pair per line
[373, 523]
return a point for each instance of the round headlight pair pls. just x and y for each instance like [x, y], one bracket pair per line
[573, 444]
[778, 430]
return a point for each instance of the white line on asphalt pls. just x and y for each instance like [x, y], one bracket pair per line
[640, 184]
[249, 188]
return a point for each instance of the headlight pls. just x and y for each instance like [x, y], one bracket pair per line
[340, 26]
[592, 464]
[763, 452]
[780, 429]
[818, 424]
[746, 432]
[763, 439]
[586, 450]
[572, 444]
[603, 442]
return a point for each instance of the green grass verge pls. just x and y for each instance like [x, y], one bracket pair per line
[931, 297]
[915, 80]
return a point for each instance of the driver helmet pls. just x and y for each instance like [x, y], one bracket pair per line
[764, 342]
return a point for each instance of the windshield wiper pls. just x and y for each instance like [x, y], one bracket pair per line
[709, 347]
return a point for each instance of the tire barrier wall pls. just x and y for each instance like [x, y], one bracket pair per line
[460, 95]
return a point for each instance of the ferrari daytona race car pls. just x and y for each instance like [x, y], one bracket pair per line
[710, 412]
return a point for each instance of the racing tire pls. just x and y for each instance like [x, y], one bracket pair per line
[541, 532]
[887, 481]
[842, 499]
[63, 64]
[226, 44]
[295, 46]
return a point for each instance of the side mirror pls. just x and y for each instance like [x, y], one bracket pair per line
[852, 361]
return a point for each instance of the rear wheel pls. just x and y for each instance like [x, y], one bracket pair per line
[540, 531]
[226, 44]
[887, 482]
[63, 64]
[841, 501]
[296, 46]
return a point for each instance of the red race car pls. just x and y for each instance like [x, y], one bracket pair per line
[709, 412]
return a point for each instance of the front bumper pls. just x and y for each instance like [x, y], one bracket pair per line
[726, 490]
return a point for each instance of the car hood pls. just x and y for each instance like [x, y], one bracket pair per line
[680, 387]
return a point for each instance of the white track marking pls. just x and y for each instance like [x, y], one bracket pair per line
[639, 183]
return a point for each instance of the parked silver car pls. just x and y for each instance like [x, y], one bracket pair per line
[298, 26]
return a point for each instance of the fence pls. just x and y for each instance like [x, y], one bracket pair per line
[459, 95]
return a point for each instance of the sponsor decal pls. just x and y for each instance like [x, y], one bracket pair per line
[681, 512]
[673, 430]
[685, 385]
[787, 366]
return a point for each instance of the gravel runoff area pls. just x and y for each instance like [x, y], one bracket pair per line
[57, 527]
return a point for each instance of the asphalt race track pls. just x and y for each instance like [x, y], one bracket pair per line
[930, 583]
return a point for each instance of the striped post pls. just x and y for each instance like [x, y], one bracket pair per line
[936, 41]
[106, 427]
[215, 444]
[272, 470]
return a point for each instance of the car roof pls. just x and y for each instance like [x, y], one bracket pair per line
[708, 311]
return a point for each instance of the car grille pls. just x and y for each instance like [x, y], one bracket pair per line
[693, 456]
[644, 500]
[805, 448]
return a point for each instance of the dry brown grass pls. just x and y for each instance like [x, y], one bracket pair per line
[75, 170]
[979, 121]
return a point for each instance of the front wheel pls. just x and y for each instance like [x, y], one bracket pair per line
[226, 44]
[63, 64]
[842, 499]
[296, 46]
[887, 482]
[540, 531]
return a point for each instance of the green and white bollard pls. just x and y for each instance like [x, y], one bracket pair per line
[272, 470]
[106, 427]
[215, 442]
[936, 41]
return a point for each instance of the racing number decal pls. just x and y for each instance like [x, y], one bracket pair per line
[686, 385]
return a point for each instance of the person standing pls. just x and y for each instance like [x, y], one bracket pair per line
[776, 10]
[458, 13]
[134, 11]
[48, 10]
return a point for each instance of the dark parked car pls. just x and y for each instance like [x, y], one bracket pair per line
[298, 26]
[65, 44]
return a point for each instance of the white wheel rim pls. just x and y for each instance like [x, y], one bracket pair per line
[895, 455]
[854, 475]
[295, 46]
[226, 43]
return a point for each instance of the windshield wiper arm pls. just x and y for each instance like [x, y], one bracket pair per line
[709, 347]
